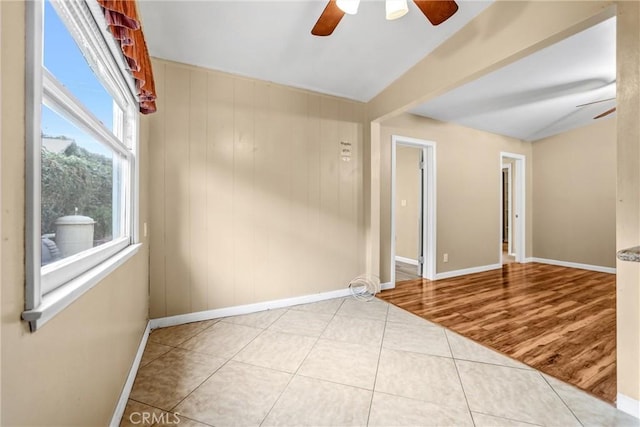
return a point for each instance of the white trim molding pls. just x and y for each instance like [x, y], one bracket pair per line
[628, 405]
[180, 319]
[387, 285]
[51, 288]
[57, 300]
[518, 191]
[406, 260]
[610, 270]
[465, 271]
[510, 249]
[428, 204]
[128, 385]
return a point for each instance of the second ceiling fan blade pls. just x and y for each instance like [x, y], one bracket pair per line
[606, 113]
[329, 20]
[437, 11]
[595, 102]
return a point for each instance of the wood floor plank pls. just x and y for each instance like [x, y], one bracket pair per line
[559, 320]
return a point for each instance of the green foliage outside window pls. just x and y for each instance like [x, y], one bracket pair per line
[77, 178]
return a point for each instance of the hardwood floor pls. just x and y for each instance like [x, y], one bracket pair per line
[506, 258]
[405, 271]
[559, 320]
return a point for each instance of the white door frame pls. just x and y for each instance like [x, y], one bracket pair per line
[519, 222]
[507, 166]
[428, 208]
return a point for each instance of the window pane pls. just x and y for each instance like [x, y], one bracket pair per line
[81, 190]
[65, 61]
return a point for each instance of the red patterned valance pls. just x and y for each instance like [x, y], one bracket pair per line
[124, 23]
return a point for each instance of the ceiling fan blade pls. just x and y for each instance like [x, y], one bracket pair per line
[606, 113]
[595, 102]
[329, 20]
[437, 11]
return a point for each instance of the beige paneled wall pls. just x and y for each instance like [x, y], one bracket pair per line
[468, 175]
[407, 189]
[72, 370]
[250, 200]
[574, 195]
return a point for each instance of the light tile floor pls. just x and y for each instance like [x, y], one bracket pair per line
[344, 362]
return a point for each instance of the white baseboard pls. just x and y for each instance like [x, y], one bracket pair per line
[628, 404]
[387, 285]
[407, 260]
[465, 271]
[207, 315]
[610, 270]
[128, 385]
[181, 319]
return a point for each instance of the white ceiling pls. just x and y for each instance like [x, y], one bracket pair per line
[271, 40]
[537, 96]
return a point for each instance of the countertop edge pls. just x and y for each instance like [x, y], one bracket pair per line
[629, 254]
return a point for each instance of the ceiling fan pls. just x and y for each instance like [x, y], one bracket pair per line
[436, 11]
[606, 113]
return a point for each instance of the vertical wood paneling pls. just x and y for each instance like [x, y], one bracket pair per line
[279, 206]
[198, 189]
[243, 211]
[177, 191]
[263, 194]
[359, 117]
[329, 186]
[301, 254]
[220, 191]
[157, 284]
[317, 249]
[250, 198]
[347, 225]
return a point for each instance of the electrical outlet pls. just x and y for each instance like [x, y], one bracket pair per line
[445, 258]
[145, 229]
[403, 203]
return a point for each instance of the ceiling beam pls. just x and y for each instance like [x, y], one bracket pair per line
[505, 32]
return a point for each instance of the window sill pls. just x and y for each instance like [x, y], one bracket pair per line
[57, 300]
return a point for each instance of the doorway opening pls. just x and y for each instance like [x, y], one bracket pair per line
[512, 208]
[508, 255]
[412, 209]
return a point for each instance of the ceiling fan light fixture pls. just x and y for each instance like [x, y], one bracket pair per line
[395, 9]
[348, 6]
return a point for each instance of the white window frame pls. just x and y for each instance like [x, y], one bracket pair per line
[51, 288]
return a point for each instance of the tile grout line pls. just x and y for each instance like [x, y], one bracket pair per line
[219, 367]
[215, 321]
[173, 348]
[333, 382]
[295, 374]
[561, 399]
[506, 418]
[460, 359]
[375, 378]
[464, 393]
